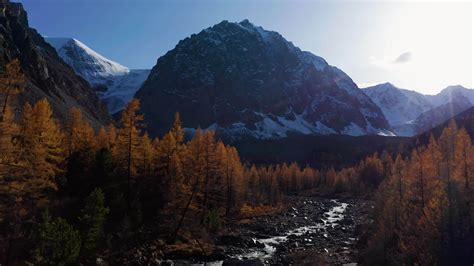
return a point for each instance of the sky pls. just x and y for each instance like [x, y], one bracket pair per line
[422, 46]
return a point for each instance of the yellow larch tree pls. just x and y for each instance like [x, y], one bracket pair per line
[79, 133]
[12, 82]
[127, 147]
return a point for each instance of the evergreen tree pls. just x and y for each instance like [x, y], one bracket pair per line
[92, 218]
[58, 242]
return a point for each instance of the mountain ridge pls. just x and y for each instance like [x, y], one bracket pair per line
[242, 80]
[410, 112]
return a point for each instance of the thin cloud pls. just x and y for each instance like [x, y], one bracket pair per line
[403, 58]
[390, 62]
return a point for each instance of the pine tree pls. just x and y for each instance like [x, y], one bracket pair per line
[58, 242]
[92, 218]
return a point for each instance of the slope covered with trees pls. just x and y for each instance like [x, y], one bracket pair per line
[69, 193]
[97, 184]
[424, 212]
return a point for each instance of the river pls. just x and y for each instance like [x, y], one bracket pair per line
[313, 229]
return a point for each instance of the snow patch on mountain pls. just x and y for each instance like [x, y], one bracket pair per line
[115, 84]
[274, 127]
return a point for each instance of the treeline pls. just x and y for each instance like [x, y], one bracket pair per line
[67, 191]
[424, 209]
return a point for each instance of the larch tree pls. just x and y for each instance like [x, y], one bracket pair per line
[210, 168]
[194, 168]
[464, 158]
[40, 146]
[127, 147]
[79, 134]
[12, 82]
[102, 139]
[177, 129]
[8, 133]
[146, 156]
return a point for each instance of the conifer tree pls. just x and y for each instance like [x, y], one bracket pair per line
[92, 218]
[210, 168]
[177, 129]
[146, 157]
[127, 148]
[58, 242]
[9, 154]
[464, 158]
[194, 165]
[12, 82]
[79, 133]
[41, 153]
[102, 139]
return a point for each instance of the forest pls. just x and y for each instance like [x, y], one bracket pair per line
[72, 191]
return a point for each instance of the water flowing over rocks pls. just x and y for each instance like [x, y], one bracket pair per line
[311, 230]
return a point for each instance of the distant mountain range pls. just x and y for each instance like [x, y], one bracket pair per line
[114, 83]
[410, 113]
[244, 81]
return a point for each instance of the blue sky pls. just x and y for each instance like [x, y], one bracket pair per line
[422, 46]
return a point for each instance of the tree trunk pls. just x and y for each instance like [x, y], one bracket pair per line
[180, 223]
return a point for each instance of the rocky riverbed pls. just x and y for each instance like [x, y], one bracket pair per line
[311, 230]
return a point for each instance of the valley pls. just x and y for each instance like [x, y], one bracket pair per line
[222, 142]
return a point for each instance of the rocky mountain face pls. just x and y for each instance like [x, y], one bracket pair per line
[47, 75]
[244, 81]
[410, 113]
[114, 83]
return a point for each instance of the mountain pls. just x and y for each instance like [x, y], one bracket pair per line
[244, 81]
[440, 114]
[409, 112]
[452, 93]
[114, 83]
[464, 119]
[399, 106]
[46, 73]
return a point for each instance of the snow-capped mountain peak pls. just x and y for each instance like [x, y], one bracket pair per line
[115, 84]
[89, 64]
